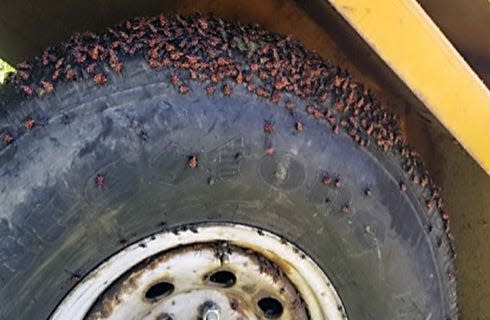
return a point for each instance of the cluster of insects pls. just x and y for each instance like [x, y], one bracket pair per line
[221, 56]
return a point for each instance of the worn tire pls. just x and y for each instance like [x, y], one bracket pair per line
[359, 202]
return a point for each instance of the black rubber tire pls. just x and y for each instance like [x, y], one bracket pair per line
[351, 206]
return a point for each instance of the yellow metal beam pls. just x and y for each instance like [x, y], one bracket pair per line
[407, 39]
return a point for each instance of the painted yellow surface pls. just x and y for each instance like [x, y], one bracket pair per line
[406, 38]
[4, 69]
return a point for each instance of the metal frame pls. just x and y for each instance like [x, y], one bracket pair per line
[405, 37]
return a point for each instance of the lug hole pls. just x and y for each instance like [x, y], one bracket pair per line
[223, 278]
[159, 290]
[270, 307]
[164, 316]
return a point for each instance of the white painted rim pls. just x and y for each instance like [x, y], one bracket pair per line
[316, 290]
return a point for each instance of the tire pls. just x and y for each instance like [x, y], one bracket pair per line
[97, 163]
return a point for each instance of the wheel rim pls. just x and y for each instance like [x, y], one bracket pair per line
[210, 272]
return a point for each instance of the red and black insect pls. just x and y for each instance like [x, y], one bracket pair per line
[269, 127]
[69, 74]
[326, 180]
[174, 79]
[27, 90]
[75, 277]
[184, 89]
[29, 123]
[289, 105]
[100, 79]
[100, 180]
[46, 86]
[403, 186]
[7, 138]
[367, 192]
[227, 90]
[192, 162]
[345, 208]
[210, 90]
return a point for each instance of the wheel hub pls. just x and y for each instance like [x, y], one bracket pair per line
[211, 273]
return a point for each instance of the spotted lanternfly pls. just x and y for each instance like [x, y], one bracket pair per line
[23, 65]
[69, 74]
[192, 59]
[29, 123]
[24, 75]
[174, 79]
[116, 65]
[276, 97]
[214, 78]
[268, 127]
[314, 111]
[7, 138]
[326, 180]
[165, 62]
[27, 90]
[337, 183]
[192, 162]
[403, 186]
[176, 55]
[193, 74]
[75, 277]
[345, 208]
[428, 204]
[90, 69]
[281, 83]
[239, 77]
[56, 74]
[100, 79]
[202, 76]
[445, 216]
[210, 90]
[289, 105]
[298, 126]
[202, 24]
[227, 90]
[261, 92]
[47, 86]
[184, 89]
[251, 87]
[367, 192]
[154, 63]
[270, 151]
[100, 180]
[234, 305]
[94, 54]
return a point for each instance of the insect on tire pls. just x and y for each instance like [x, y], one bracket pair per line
[163, 123]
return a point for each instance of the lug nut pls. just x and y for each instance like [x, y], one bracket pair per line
[210, 311]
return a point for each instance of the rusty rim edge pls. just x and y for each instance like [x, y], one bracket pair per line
[317, 291]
